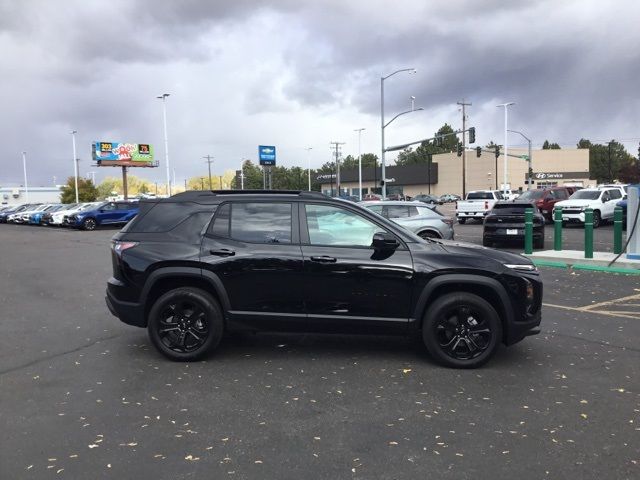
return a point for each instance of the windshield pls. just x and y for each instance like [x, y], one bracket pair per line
[586, 195]
[510, 208]
[532, 195]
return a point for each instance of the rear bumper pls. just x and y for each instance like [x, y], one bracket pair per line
[131, 313]
[481, 214]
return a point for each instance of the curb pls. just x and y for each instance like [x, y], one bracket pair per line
[581, 266]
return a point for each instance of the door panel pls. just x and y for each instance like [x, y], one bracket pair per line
[352, 287]
[264, 281]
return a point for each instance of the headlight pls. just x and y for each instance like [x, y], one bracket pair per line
[523, 267]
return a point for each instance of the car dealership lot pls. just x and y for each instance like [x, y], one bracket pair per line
[85, 396]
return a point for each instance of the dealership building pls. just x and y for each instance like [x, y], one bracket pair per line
[20, 195]
[445, 173]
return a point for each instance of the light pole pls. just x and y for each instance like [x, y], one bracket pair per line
[24, 166]
[413, 102]
[529, 161]
[359, 130]
[75, 162]
[382, 125]
[506, 148]
[163, 97]
[242, 176]
[308, 149]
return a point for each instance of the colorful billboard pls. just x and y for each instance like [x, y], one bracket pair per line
[108, 154]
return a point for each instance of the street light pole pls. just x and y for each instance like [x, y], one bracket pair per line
[506, 148]
[24, 166]
[359, 130]
[308, 149]
[75, 162]
[529, 160]
[382, 126]
[163, 97]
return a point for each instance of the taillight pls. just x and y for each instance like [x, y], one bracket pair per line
[119, 247]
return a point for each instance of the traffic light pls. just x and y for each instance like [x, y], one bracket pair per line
[478, 151]
[472, 135]
[459, 149]
[497, 151]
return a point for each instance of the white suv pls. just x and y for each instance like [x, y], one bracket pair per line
[601, 200]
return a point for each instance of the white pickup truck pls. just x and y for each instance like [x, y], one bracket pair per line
[477, 204]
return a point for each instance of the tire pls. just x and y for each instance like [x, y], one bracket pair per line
[597, 219]
[196, 332]
[462, 220]
[538, 244]
[428, 234]
[89, 224]
[452, 342]
[486, 242]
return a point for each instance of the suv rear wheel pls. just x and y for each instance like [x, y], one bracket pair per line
[461, 330]
[185, 324]
[89, 224]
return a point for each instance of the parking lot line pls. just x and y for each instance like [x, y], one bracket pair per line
[616, 302]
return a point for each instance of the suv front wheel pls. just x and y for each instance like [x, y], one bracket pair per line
[185, 324]
[461, 330]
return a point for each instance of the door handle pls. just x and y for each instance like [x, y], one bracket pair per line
[222, 252]
[324, 259]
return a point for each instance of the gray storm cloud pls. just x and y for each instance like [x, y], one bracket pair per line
[240, 71]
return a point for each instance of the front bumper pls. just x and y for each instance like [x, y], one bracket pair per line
[573, 217]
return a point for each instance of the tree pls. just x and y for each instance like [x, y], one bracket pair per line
[608, 162]
[87, 191]
[350, 162]
[135, 186]
[550, 146]
[421, 154]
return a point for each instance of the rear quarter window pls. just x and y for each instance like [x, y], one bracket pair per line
[181, 218]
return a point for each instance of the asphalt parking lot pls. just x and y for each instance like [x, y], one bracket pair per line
[84, 396]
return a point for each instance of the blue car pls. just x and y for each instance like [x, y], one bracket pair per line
[36, 217]
[17, 209]
[108, 213]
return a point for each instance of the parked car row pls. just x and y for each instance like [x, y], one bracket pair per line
[85, 216]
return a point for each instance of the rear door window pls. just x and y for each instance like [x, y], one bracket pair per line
[261, 222]
[397, 211]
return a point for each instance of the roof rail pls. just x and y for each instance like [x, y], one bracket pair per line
[302, 193]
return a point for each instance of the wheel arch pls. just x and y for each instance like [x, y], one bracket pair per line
[430, 230]
[487, 288]
[164, 279]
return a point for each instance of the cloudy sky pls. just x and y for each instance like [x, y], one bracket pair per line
[299, 74]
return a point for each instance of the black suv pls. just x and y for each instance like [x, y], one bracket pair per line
[192, 266]
[505, 223]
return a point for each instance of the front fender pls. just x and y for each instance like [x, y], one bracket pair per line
[505, 310]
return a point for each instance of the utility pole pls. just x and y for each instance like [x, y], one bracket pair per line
[209, 161]
[610, 170]
[337, 153]
[464, 149]
[24, 166]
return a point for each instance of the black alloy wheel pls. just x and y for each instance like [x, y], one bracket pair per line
[185, 324]
[89, 224]
[461, 330]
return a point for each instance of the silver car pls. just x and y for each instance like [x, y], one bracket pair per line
[417, 217]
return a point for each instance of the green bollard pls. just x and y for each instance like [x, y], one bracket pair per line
[528, 231]
[588, 233]
[617, 230]
[557, 229]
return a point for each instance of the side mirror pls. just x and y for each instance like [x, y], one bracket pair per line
[384, 241]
